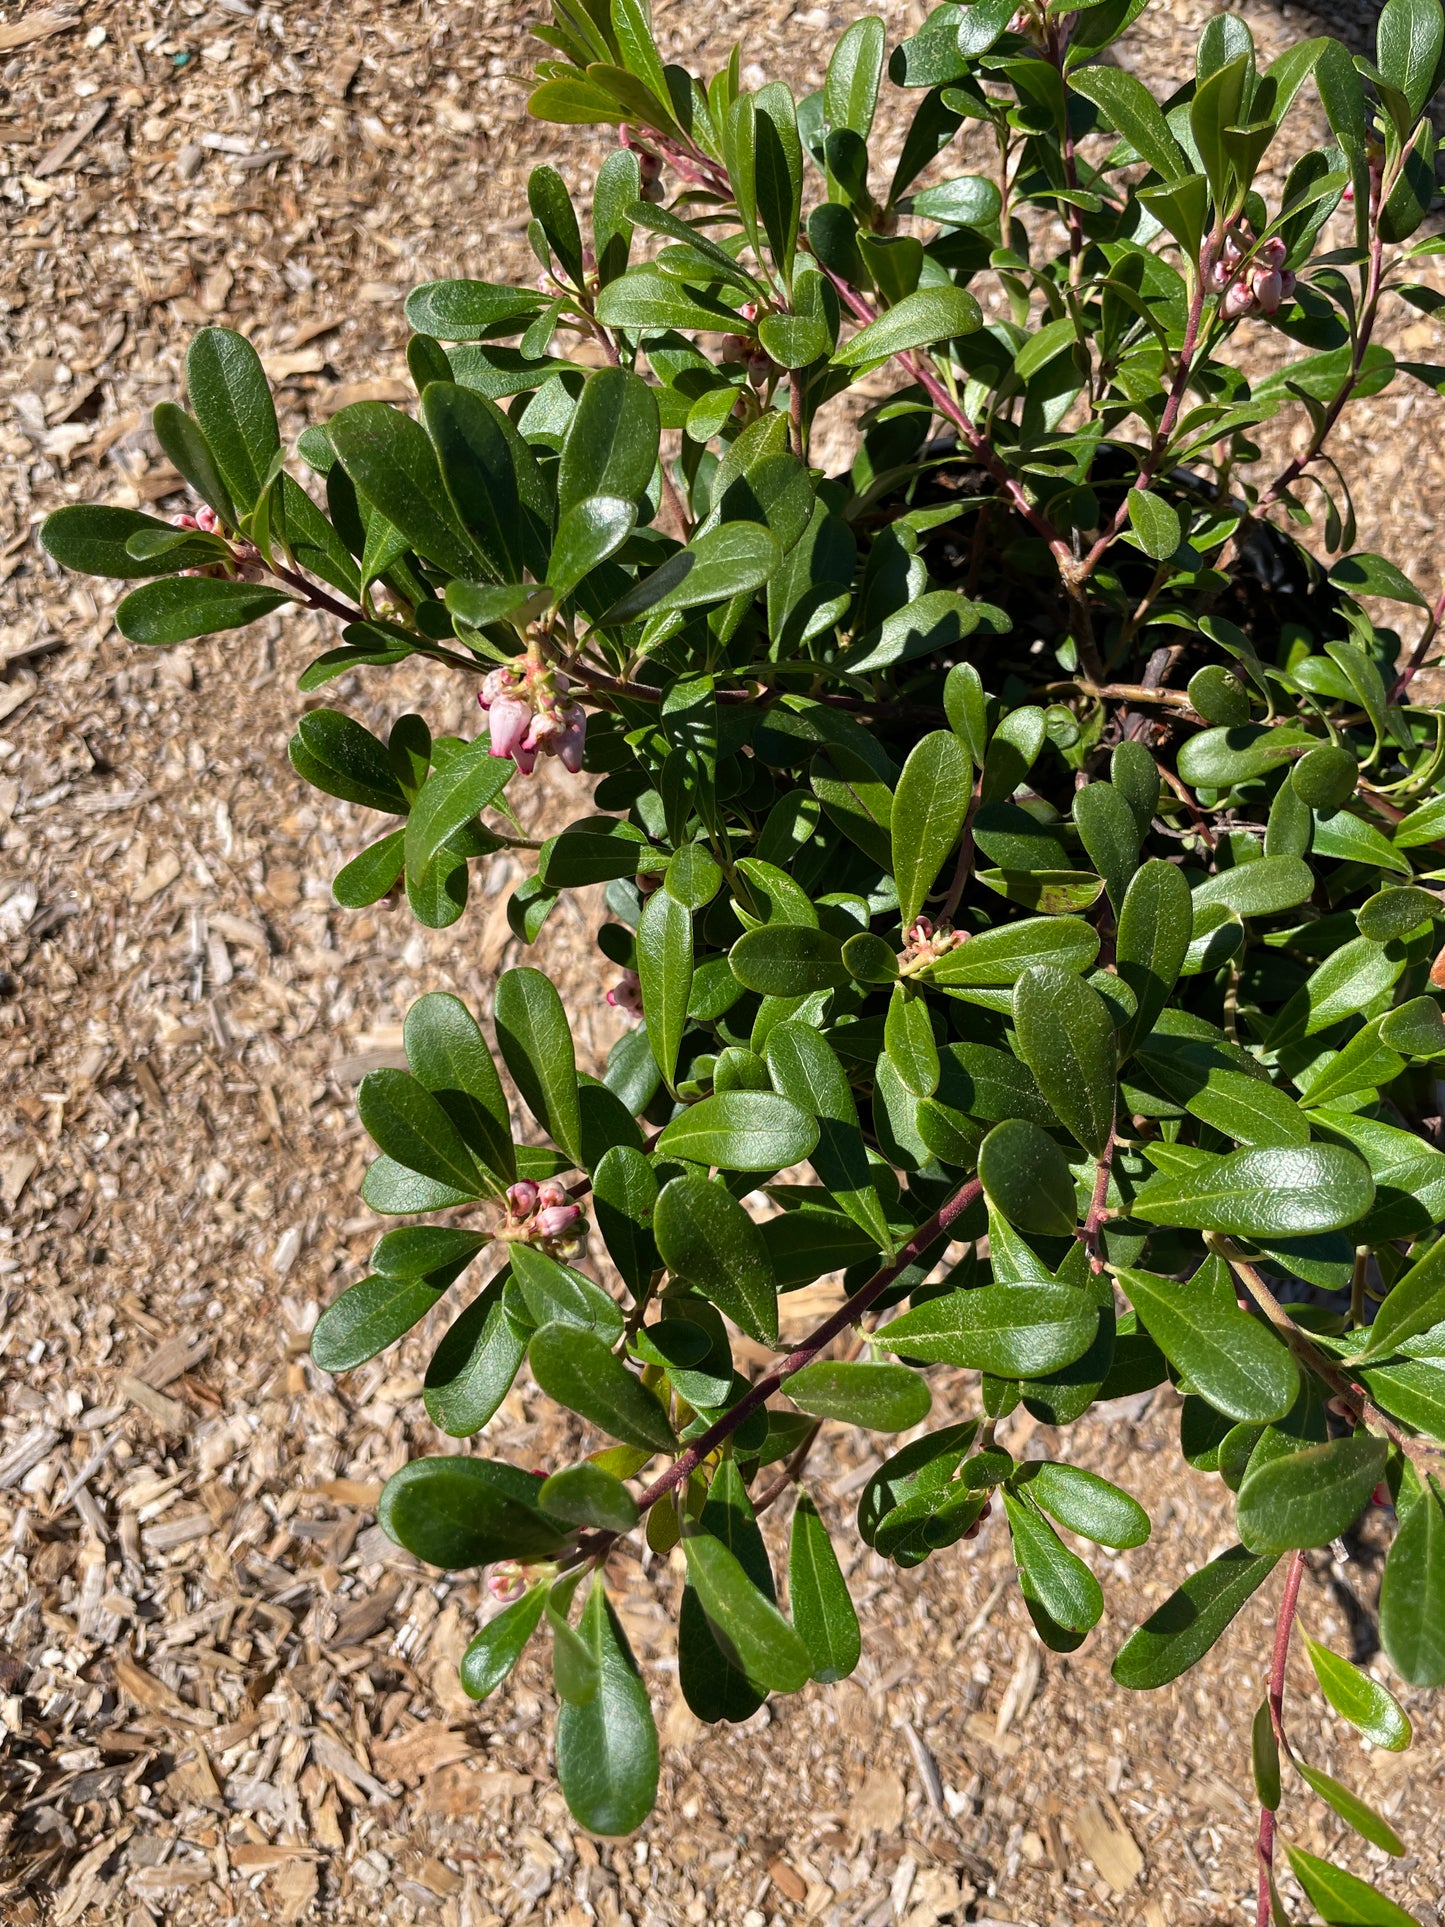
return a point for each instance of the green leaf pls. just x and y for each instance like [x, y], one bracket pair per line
[1128, 106]
[474, 1366]
[593, 850]
[1264, 1748]
[1154, 522]
[1309, 1497]
[457, 1512]
[1412, 1592]
[607, 1753]
[368, 1317]
[1284, 1191]
[748, 1627]
[879, 1398]
[1155, 926]
[611, 443]
[1346, 983]
[730, 560]
[590, 530]
[1084, 1502]
[95, 541]
[1342, 1899]
[1366, 574]
[1110, 835]
[969, 200]
[369, 876]
[624, 1196]
[928, 811]
[1049, 1573]
[1027, 1179]
[805, 1070]
[232, 401]
[535, 1039]
[664, 967]
[178, 608]
[1258, 889]
[693, 877]
[490, 1657]
[908, 1038]
[1414, 1303]
[448, 1054]
[850, 90]
[919, 320]
[408, 1124]
[1189, 1622]
[576, 1368]
[479, 455]
[741, 1131]
[1392, 914]
[1227, 1356]
[1011, 1331]
[466, 784]
[1000, 956]
[1249, 1110]
[646, 301]
[586, 1495]
[823, 1614]
[470, 310]
[335, 754]
[1066, 1037]
[1217, 758]
[394, 465]
[1363, 1701]
[1351, 1809]
[707, 1239]
[555, 1294]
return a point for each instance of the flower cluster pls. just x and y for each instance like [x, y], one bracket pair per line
[530, 715]
[543, 1215]
[247, 557]
[922, 943]
[1251, 276]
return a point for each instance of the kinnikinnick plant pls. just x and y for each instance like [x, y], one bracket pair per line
[1021, 849]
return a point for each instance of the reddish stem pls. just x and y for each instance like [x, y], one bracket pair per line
[1421, 649]
[1093, 1223]
[757, 1396]
[1289, 1600]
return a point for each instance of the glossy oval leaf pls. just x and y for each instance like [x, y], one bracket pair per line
[741, 1131]
[1307, 1498]
[880, 1398]
[706, 1238]
[823, 1613]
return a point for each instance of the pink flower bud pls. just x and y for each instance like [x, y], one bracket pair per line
[1268, 290]
[572, 743]
[1286, 285]
[496, 684]
[522, 1198]
[1272, 252]
[1237, 301]
[506, 1581]
[206, 519]
[551, 1193]
[627, 995]
[510, 720]
[1231, 253]
[1219, 273]
[544, 729]
[525, 757]
[558, 1219]
[187, 522]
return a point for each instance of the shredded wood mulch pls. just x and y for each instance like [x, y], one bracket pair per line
[224, 1694]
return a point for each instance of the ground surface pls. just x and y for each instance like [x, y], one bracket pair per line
[224, 1694]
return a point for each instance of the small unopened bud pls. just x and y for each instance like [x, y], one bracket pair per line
[558, 1219]
[1272, 252]
[207, 519]
[1268, 290]
[627, 995]
[551, 1193]
[522, 1198]
[1238, 300]
[506, 1581]
[187, 522]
